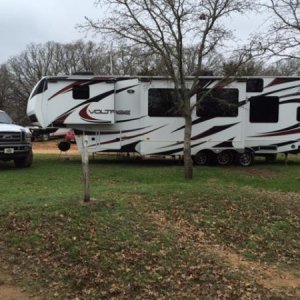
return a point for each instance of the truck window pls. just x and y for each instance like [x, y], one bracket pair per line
[217, 103]
[81, 92]
[5, 118]
[162, 103]
[264, 109]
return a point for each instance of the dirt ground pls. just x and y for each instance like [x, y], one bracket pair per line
[50, 147]
[9, 291]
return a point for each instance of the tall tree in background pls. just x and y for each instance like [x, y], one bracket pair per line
[168, 28]
[37, 60]
[5, 87]
[283, 37]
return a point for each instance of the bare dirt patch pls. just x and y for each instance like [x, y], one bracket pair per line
[269, 276]
[256, 172]
[8, 291]
[50, 147]
[291, 200]
[13, 293]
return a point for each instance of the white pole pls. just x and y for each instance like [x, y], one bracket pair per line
[85, 168]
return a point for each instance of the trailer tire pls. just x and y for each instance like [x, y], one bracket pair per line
[245, 159]
[202, 158]
[225, 158]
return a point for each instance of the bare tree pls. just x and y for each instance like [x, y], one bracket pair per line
[283, 37]
[168, 28]
[23, 71]
[5, 90]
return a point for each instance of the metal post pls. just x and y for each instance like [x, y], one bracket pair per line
[85, 168]
[286, 158]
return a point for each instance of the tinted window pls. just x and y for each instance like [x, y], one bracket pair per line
[217, 103]
[81, 92]
[255, 85]
[298, 114]
[264, 109]
[40, 88]
[162, 103]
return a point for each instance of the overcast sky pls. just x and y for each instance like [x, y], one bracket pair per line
[38, 21]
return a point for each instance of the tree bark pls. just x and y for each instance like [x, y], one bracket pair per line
[188, 162]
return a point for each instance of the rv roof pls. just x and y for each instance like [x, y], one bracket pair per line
[142, 77]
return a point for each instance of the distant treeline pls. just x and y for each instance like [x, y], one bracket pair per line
[20, 73]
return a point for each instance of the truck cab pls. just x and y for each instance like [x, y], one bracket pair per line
[15, 142]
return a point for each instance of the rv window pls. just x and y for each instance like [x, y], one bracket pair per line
[255, 85]
[298, 114]
[162, 103]
[217, 103]
[264, 109]
[81, 92]
[40, 88]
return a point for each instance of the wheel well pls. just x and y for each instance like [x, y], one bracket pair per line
[207, 151]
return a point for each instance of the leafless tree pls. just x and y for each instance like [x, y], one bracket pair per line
[5, 90]
[283, 38]
[23, 71]
[168, 28]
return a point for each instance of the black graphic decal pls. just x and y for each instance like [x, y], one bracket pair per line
[97, 98]
[211, 131]
[226, 144]
[129, 120]
[290, 101]
[123, 138]
[170, 152]
[199, 120]
[284, 131]
[281, 80]
[79, 132]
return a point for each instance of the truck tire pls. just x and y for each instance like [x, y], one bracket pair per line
[24, 162]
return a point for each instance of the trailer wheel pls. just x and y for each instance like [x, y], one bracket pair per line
[201, 158]
[245, 159]
[225, 158]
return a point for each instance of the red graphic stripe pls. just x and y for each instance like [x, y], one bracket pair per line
[68, 88]
[287, 132]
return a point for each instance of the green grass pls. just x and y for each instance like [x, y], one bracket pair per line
[138, 239]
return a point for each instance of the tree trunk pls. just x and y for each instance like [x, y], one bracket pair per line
[188, 162]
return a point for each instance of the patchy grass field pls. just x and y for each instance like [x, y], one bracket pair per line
[230, 233]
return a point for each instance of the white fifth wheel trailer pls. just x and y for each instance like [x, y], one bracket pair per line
[248, 116]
